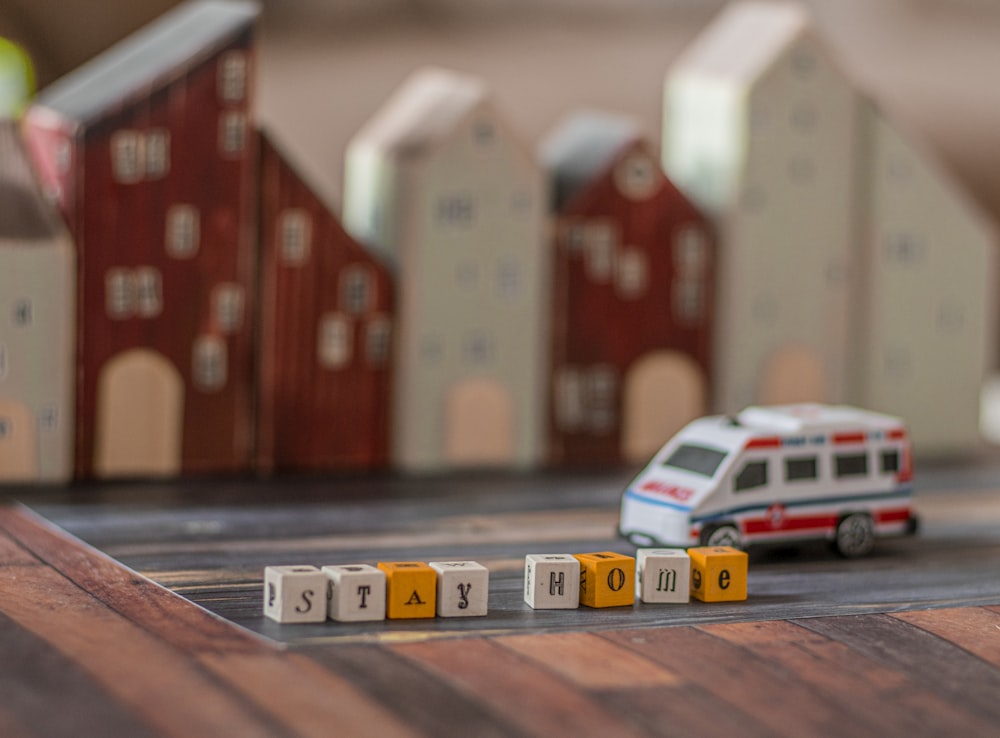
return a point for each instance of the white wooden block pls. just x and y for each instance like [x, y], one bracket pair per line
[462, 588]
[552, 581]
[295, 594]
[356, 592]
[663, 575]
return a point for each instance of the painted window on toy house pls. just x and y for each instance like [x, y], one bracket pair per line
[23, 313]
[148, 292]
[378, 337]
[570, 404]
[183, 231]
[232, 133]
[157, 153]
[210, 363]
[48, 418]
[690, 257]
[334, 349]
[294, 236]
[119, 294]
[127, 156]
[602, 392]
[509, 281]
[227, 307]
[633, 273]
[478, 348]
[357, 289]
[232, 77]
[456, 210]
[600, 242]
[636, 177]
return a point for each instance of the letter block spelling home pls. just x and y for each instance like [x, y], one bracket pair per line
[663, 575]
[356, 592]
[607, 579]
[295, 594]
[411, 590]
[718, 574]
[552, 581]
[462, 588]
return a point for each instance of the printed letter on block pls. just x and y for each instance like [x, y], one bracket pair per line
[462, 588]
[295, 594]
[552, 581]
[607, 579]
[411, 589]
[718, 573]
[663, 575]
[356, 592]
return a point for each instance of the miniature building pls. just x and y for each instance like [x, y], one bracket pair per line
[436, 182]
[632, 291]
[850, 268]
[37, 278]
[325, 333]
[148, 148]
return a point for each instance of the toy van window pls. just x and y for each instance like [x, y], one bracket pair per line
[800, 468]
[890, 462]
[851, 465]
[751, 476]
[696, 459]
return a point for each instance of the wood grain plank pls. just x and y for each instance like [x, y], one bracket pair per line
[533, 698]
[13, 554]
[975, 629]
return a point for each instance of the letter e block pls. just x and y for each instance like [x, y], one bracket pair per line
[356, 592]
[411, 589]
[462, 588]
[295, 594]
[607, 579]
[663, 575]
[552, 581]
[718, 573]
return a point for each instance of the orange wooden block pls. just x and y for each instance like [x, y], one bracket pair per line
[411, 589]
[718, 573]
[607, 579]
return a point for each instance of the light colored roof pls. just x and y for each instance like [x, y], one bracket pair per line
[811, 417]
[24, 214]
[149, 58]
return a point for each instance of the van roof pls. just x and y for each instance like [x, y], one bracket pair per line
[814, 418]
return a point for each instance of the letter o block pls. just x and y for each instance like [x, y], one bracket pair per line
[356, 593]
[607, 579]
[718, 573]
[410, 591]
[663, 575]
[462, 588]
[295, 594]
[552, 581]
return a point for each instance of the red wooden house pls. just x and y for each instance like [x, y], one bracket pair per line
[150, 152]
[632, 285]
[325, 333]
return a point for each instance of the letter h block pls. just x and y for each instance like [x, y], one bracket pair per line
[411, 590]
[663, 575]
[552, 581]
[356, 592]
[607, 579]
[718, 573]
[462, 588]
[295, 594]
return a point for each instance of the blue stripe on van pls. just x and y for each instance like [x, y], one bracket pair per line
[903, 493]
[631, 493]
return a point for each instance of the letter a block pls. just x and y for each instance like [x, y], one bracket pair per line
[356, 592]
[411, 589]
[663, 575]
[552, 581]
[462, 588]
[718, 573]
[295, 594]
[607, 579]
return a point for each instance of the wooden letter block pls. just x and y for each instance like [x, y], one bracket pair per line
[462, 588]
[718, 573]
[411, 589]
[663, 575]
[295, 594]
[552, 581]
[356, 592]
[607, 579]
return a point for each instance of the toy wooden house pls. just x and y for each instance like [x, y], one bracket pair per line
[437, 182]
[851, 269]
[634, 263]
[149, 150]
[325, 333]
[37, 309]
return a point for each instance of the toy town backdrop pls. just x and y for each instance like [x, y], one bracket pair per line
[250, 238]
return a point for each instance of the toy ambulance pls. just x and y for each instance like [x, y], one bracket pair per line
[776, 474]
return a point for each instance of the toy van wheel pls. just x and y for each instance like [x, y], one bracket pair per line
[722, 535]
[855, 536]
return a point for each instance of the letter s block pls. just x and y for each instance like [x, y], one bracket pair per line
[607, 579]
[462, 588]
[663, 575]
[718, 573]
[356, 593]
[552, 581]
[411, 590]
[295, 594]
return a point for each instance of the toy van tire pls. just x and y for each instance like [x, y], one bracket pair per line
[855, 535]
[639, 540]
[725, 534]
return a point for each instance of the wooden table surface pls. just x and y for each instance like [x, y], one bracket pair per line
[907, 642]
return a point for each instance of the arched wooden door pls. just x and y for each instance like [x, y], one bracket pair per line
[793, 374]
[140, 415]
[479, 424]
[664, 390]
[18, 442]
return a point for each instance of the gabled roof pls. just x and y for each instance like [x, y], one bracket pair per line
[24, 214]
[743, 41]
[581, 149]
[149, 58]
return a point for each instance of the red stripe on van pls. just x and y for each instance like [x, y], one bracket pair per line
[893, 516]
[774, 442]
[849, 437]
[806, 522]
[897, 434]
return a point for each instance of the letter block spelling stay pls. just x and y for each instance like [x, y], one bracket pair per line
[462, 588]
[607, 579]
[663, 575]
[718, 573]
[295, 594]
[411, 589]
[356, 592]
[552, 581]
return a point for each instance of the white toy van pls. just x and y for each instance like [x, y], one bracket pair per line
[775, 474]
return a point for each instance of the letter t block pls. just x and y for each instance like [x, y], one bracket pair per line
[357, 592]
[411, 589]
[607, 579]
[552, 581]
[295, 594]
